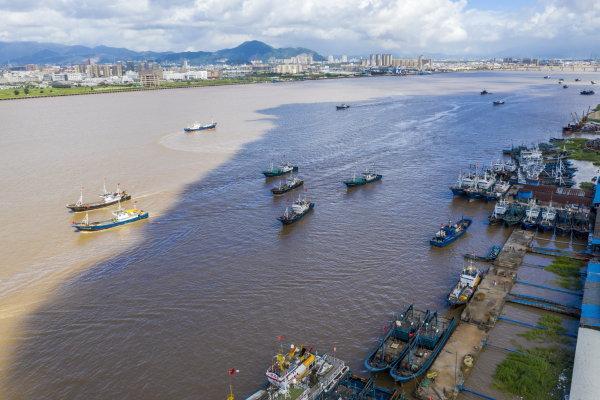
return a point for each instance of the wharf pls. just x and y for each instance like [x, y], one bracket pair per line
[479, 316]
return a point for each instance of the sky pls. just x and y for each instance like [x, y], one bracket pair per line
[463, 28]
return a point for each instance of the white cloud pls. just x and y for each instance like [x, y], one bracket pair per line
[336, 26]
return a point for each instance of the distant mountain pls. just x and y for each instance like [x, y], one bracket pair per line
[18, 53]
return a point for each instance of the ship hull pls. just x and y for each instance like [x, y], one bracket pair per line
[443, 243]
[201, 128]
[354, 183]
[280, 190]
[108, 224]
[95, 206]
[270, 174]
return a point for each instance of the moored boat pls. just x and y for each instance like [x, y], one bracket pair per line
[424, 349]
[483, 92]
[563, 221]
[108, 199]
[464, 289]
[197, 126]
[499, 210]
[395, 342]
[366, 177]
[301, 374]
[279, 170]
[498, 102]
[532, 215]
[491, 255]
[121, 217]
[514, 214]
[290, 184]
[450, 232]
[299, 209]
[581, 223]
[587, 92]
[548, 218]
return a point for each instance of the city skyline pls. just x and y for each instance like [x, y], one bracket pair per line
[465, 28]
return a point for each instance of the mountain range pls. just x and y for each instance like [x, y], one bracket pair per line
[18, 53]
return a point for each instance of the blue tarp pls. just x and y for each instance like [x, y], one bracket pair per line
[590, 309]
[525, 195]
[597, 195]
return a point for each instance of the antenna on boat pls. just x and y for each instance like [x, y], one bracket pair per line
[80, 201]
[86, 219]
[104, 186]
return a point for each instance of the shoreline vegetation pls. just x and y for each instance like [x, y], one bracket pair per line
[32, 92]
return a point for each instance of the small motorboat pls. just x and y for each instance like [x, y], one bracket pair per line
[342, 106]
[587, 92]
[465, 288]
[197, 126]
[565, 86]
[498, 102]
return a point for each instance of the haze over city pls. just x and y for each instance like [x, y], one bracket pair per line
[465, 28]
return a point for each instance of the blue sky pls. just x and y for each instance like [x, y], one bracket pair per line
[469, 28]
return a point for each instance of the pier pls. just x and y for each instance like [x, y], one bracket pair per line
[480, 315]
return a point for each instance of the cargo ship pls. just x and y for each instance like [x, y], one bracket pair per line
[301, 374]
[424, 349]
[108, 199]
[395, 342]
[121, 217]
[450, 232]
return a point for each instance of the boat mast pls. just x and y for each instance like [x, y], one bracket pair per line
[104, 186]
[80, 201]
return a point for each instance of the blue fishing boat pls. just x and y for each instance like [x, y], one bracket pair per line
[279, 170]
[395, 342]
[356, 387]
[450, 232]
[424, 349]
[121, 217]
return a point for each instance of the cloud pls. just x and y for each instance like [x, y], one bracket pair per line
[334, 26]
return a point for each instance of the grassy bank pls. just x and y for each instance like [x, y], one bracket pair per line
[568, 271]
[577, 151]
[541, 372]
[32, 92]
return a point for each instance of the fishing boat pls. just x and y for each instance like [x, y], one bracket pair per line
[108, 198]
[491, 255]
[514, 214]
[593, 82]
[467, 283]
[424, 349]
[563, 221]
[565, 86]
[483, 92]
[197, 126]
[532, 215]
[366, 177]
[342, 106]
[587, 92]
[581, 223]
[450, 232]
[299, 209]
[499, 210]
[577, 79]
[547, 77]
[548, 218]
[356, 387]
[395, 342]
[121, 217]
[301, 374]
[498, 191]
[279, 170]
[284, 187]
[498, 102]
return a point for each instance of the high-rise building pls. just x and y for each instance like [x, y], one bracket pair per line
[330, 59]
[344, 58]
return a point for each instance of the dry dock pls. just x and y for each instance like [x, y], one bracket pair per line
[479, 316]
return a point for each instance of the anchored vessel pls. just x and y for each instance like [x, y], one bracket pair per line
[395, 342]
[291, 184]
[587, 92]
[581, 223]
[301, 374]
[342, 106]
[197, 126]
[366, 177]
[424, 348]
[355, 387]
[464, 289]
[108, 198]
[279, 170]
[450, 232]
[299, 209]
[499, 210]
[498, 102]
[121, 217]
[484, 92]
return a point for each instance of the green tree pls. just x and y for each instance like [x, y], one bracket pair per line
[26, 90]
[16, 92]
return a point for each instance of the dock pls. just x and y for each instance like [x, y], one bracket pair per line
[452, 366]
